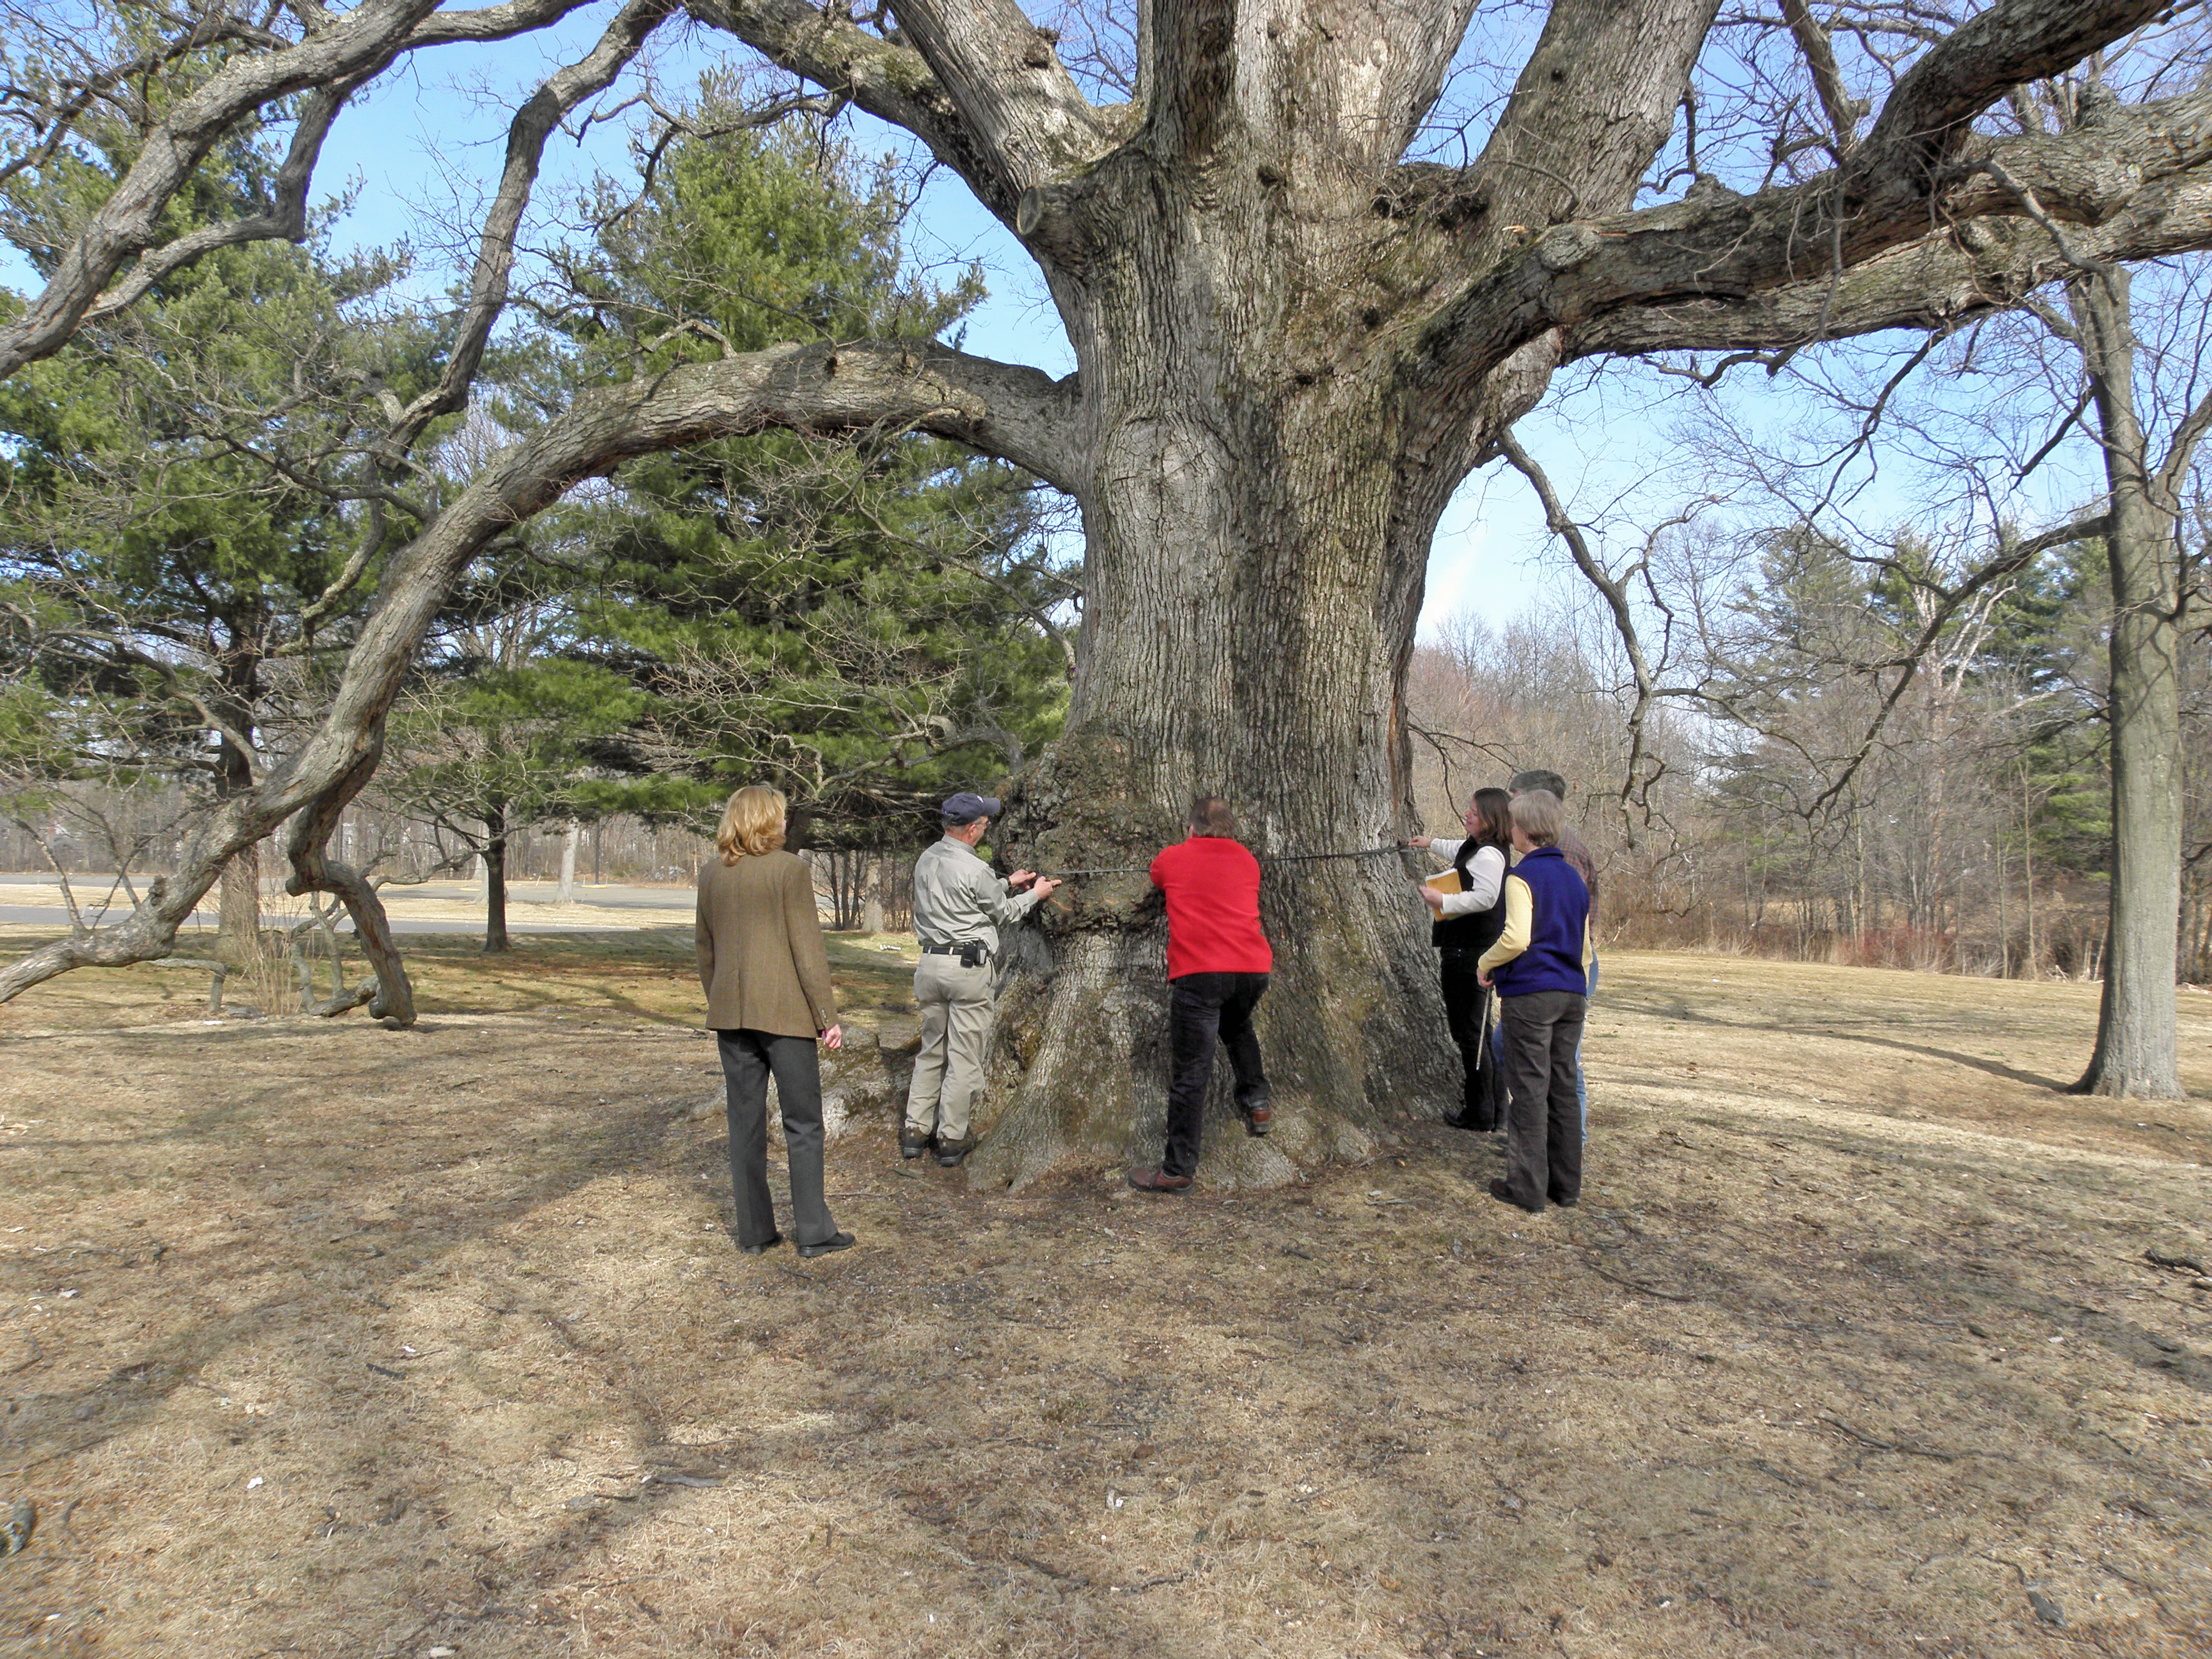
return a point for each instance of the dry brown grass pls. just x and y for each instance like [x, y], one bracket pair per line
[1852, 1344]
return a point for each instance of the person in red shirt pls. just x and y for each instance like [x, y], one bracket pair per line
[1217, 966]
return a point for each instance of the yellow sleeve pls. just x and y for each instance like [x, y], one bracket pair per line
[1520, 918]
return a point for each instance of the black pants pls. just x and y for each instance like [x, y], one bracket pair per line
[1204, 1009]
[1544, 1139]
[1467, 1002]
[748, 1058]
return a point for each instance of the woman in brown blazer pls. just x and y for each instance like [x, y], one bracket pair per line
[768, 1000]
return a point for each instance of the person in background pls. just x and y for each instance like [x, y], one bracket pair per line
[1578, 853]
[1539, 966]
[769, 1001]
[1466, 923]
[1218, 961]
[959, 905]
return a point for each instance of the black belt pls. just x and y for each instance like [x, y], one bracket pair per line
[951, 949]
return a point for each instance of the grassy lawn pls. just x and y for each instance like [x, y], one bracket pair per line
[319, 1339]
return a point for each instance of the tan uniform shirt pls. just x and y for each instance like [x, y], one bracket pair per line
[761, 958]
[958, 898]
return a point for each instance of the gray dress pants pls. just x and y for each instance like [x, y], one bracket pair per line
[748, 1059]
[1544, 1124]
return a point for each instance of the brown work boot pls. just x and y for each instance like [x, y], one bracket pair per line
[1158, 1181]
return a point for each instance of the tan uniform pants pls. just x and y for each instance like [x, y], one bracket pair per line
[956, 1033]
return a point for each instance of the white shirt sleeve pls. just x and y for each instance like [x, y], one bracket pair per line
[1486, 872]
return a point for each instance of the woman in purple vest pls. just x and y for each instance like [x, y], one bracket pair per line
[1540, 969]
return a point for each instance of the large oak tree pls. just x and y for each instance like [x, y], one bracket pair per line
[1295, 336]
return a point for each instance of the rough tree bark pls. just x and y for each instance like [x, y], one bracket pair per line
[1292, 345]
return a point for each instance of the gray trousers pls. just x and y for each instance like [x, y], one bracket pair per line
[1544, 1125]
[748, 1059]
[956, 1036]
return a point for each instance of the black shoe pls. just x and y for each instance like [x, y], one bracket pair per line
[764, 1246]
[912, 1145]
[1504, 1194]
[835, 1242]
[1259, 1120]
[949, 1152]
[1470, 1123]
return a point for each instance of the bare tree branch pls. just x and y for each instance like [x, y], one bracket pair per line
[1016, 414]
[352, 48]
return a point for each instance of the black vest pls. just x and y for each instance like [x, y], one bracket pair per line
[1479, 930]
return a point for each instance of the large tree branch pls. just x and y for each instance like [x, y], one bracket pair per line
[995, 408]
[1189, 74]
[351, 48]
[286, 221]
[893, 82]
[495, 264]
[1592, 106]
[1919, 167]
[2135, 182]
[1927, 117]
[1936, 282]
[1009, 85]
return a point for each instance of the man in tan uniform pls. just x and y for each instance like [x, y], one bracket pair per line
[959, 905]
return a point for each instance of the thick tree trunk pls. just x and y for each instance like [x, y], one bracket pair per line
[495, 881]
[1274, 423]
[1255, 536]
[2137, 1052]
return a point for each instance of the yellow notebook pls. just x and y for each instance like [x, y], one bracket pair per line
[1448, 882]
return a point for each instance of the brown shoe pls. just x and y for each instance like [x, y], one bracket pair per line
[1259, 1120]
[1158, 1181]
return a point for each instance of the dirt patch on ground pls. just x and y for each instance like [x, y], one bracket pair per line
[322, 1339]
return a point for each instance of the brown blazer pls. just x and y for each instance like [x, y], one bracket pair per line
[761, 960]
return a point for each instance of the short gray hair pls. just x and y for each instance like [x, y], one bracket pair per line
[1525, 782]
[1537, 816]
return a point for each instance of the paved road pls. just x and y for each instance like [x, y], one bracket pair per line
[630, 905]
[613, 896]
[33, 915]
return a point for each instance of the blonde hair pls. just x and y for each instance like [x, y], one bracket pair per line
[752, 822]
[1537, 815]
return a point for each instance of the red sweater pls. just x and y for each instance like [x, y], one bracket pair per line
[1212, 888]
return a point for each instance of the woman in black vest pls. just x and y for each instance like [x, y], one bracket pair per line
[1466, 924]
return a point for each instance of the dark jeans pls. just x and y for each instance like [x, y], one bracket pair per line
[748, 1058]
[1466, 1001]
[1544, 1139]
[1204, 1009]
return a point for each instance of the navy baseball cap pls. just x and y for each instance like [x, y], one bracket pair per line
[965, 808]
